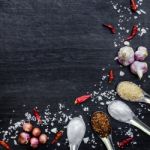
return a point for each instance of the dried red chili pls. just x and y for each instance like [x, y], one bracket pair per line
[82, 99]
[37, 115]
[111, 76]
[133, 32]
[57, 137]
[124, 142]
[134, 5]
[5, 145]
[110, 27]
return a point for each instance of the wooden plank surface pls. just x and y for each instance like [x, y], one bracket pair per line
[53, 51]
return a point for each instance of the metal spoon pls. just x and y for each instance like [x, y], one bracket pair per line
[100, 124]
[122, 112]
[129, 91]
[75, 132]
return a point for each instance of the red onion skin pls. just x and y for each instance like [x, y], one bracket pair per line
[36, 132]
[23, 138]
[43, 138]
[34, 142]
[27, 127]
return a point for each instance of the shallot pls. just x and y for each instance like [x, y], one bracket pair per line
[43, 138]
[27, 127]
[139, 68]
[34, 142]
[23, 138]
[36, 132]
[141, 53]
[126, 55]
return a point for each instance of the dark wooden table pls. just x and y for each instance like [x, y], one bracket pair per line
[53, 50]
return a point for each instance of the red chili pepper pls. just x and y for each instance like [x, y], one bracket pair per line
[111, 76]
[110, 27]
[124, 142]
[82, 99]
[133, 32]
[134, 6]
[5, 145]
[57, 137]
[37, 115]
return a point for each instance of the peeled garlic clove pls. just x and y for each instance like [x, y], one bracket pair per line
[139, 68]
[126, 55]
[141, 53]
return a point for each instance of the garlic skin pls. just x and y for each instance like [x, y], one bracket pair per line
[141, 53]
[126, 55]
[139, 68]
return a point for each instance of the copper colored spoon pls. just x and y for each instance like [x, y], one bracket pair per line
[100, 124]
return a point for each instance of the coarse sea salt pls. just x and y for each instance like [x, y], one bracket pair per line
[125, 16]
[122, 73]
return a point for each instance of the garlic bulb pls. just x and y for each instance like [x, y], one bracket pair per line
[141, 53]
[139, 68]
[126, 55]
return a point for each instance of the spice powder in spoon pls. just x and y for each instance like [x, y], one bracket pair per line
[100, 124]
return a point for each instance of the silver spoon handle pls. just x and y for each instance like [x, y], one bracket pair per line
[108, 143]
[146, 98]
[139, 124]
[73, 147]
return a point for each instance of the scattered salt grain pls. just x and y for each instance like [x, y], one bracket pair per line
[142, 31]
[58, 144]
[122, 73]
[54, 130]
[85, 140]
[129, 132]
[86, 109]
[126, 43]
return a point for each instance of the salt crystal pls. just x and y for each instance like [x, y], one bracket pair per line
[58, 144]
[122, 73]
[129, 132]
[85, 140]
[142, 31]
[142, 11]
[54, 130]
[85, 109]
[126, 43]
[102, 103]
[135, 17]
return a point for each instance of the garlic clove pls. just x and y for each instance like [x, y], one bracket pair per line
[139, 68]
[126, 55]
[140, 74]
[141, 53]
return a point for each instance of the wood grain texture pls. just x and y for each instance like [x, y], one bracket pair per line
[53, 50]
